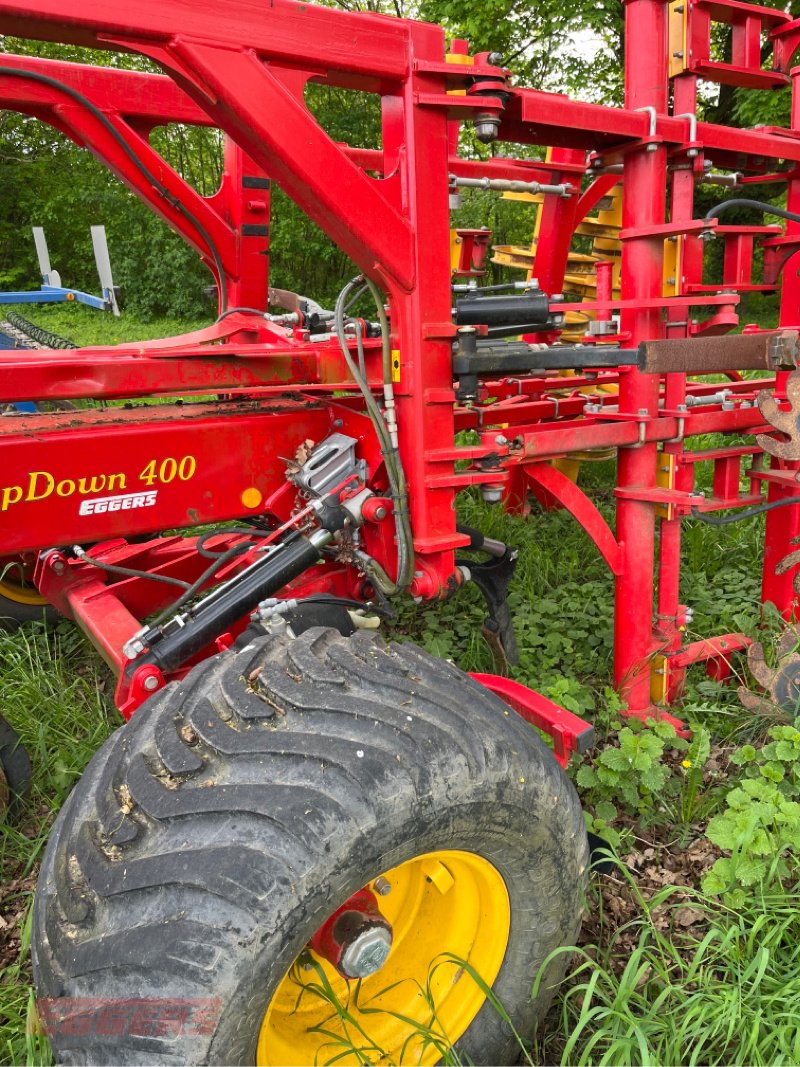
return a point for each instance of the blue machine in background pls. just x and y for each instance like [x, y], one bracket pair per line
[52, 290]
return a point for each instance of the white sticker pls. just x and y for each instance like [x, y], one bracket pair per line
[124, 502]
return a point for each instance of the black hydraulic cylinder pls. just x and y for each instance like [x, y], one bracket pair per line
[484, 357]
[531, 309]
[224, 608]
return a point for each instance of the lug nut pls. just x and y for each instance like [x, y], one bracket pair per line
[382, 886]
[367, 953]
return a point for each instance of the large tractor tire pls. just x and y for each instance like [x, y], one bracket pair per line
[222, 830]
[15, 764]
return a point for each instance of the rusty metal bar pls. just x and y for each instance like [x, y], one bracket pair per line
[708, 355]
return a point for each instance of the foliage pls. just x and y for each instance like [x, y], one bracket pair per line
[87, 326]
[729, 996]
[57, 700]
[632, 774]
[760, 825]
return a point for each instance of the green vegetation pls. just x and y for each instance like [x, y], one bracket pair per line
[727, 992]
[760, 823]
[56, 694]
[87, 326]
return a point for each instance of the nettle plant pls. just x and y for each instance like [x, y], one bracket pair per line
[630, 777]
[760, 826]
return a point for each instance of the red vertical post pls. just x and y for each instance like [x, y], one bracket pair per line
[245, 196]
[783, 524]
[421, 317]
[604, 274]
[643, 205]
[689, 269]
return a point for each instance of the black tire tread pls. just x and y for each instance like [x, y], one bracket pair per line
[294, 745]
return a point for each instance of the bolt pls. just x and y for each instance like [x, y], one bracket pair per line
[643, 411]
[150, 683]
[58, 565]
[367, 953]
[494, 59]
[492, 494]
[652, 147]
[501, 440]
[382, 886]
[380, 512]
[338, 424]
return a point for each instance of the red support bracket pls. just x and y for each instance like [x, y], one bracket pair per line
[569, 732]
[581, 507]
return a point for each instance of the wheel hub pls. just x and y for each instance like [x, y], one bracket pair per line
[356, 939]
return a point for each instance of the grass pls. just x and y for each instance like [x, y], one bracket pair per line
[645, 989]
[56, 694]
[731, 996]
[88, 326]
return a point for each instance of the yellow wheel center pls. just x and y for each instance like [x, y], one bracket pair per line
[450, 918]
[15, 586]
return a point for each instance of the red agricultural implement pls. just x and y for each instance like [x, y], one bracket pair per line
[305, 845]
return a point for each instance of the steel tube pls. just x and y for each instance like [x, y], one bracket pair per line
[644, 202]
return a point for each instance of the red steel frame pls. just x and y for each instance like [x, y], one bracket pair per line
[244, 69]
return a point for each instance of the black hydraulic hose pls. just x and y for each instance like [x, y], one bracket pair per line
[757, 205]
[45, 79]
[748, 513]
[128, 572]
[243, 311]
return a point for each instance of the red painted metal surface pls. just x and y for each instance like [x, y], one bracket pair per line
[357, 915]
[570, 733]
[245, 69]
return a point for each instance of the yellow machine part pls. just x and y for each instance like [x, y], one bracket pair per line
[444, 907]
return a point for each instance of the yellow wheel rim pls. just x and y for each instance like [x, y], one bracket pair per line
[444, 908]
[14, 587]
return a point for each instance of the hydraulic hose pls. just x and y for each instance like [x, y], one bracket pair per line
[386, 429]
[757, 205]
